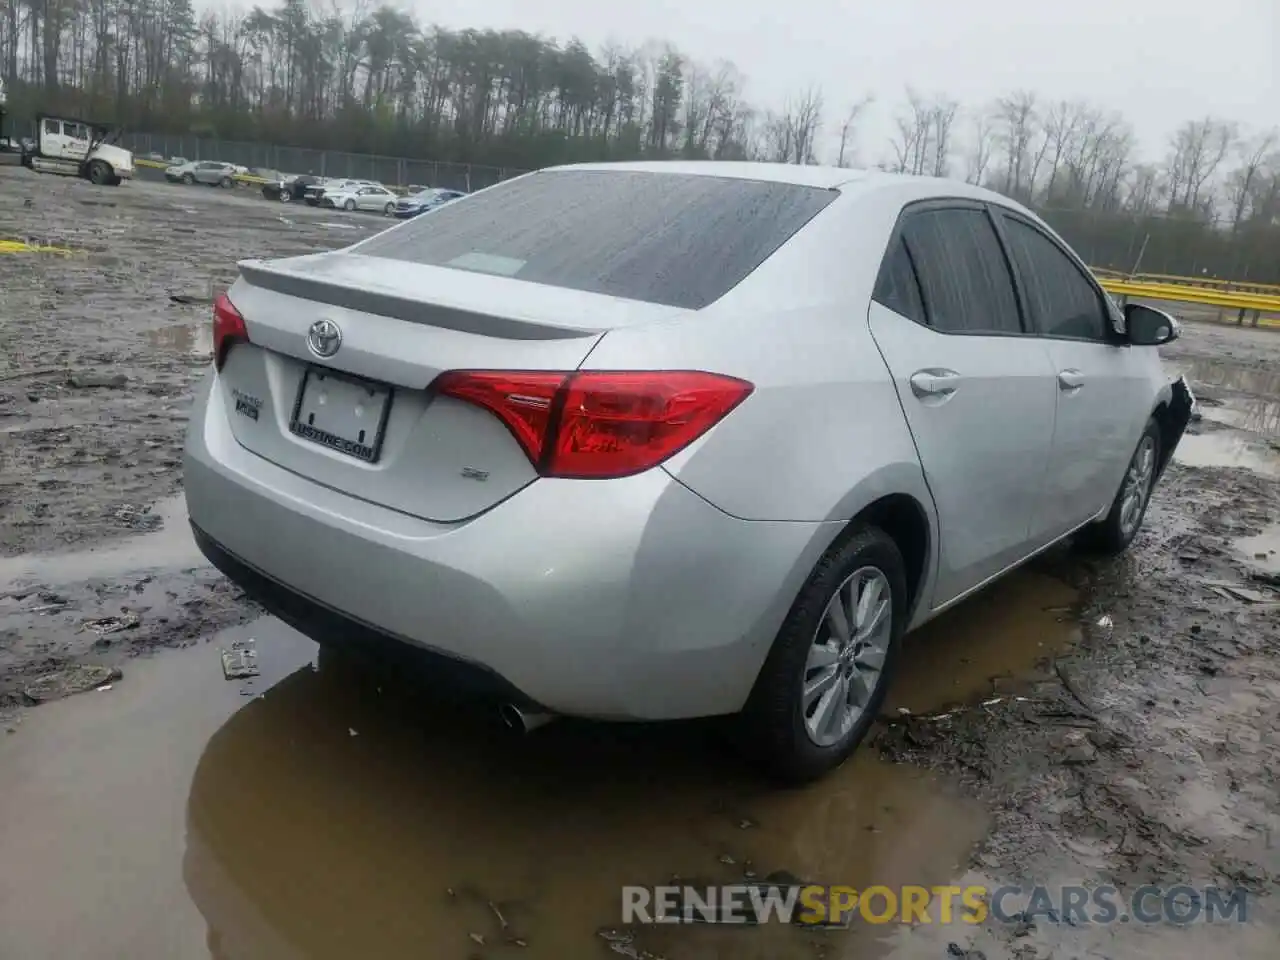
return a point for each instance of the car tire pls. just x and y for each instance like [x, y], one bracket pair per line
[188, 179]
[349, 205]
[1113, 534]
[100, 173]
[226, 183]
[285, 196]
[780, 729]
[389, 209]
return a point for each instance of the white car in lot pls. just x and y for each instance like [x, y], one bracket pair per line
[664, 440]
[370, 197]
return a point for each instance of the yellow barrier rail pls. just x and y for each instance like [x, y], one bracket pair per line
[1255, 305]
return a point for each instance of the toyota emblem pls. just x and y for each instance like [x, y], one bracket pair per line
[324, 338]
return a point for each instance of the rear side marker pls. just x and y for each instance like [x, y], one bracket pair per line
[599, 425]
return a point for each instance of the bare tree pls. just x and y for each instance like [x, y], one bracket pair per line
[1198, 148]
[981, 147]
[1256, 155]
[1017, 125]
[806, 119]
[847, 130]
[915, 129]
[942, 116]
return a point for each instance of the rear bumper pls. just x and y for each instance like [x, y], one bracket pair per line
[336, 629]
[625, 599]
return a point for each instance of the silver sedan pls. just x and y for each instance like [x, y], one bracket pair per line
[664, 440]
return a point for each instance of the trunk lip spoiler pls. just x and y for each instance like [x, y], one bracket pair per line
[306, 287]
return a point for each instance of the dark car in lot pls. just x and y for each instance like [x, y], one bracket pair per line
[288, 189]
[423, 201]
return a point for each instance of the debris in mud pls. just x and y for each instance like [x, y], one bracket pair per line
[70, 680]
[1229, 590]
[622, 942]
[137, 517]
[189, 299]
[88, 381]
[241, 661]
[1076, 747]
[105, 626]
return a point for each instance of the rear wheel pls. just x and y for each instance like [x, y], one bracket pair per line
[826, 677]
[1113, 534]
[100, 172]
[349, 206]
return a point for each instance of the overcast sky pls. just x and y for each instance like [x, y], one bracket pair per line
[1160, 62]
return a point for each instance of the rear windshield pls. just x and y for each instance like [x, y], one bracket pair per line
[676, 239]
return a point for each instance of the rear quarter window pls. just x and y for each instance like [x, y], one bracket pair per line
[682, 240]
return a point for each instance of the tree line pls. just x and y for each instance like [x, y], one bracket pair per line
[369, 78]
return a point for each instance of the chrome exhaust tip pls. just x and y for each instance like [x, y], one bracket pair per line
[520, 721]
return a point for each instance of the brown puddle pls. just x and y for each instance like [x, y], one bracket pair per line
[170, 546]
[332, 817]
[1227, 448]
[1263, 549]
[194, 339]
[1252, 402]
[986, 645]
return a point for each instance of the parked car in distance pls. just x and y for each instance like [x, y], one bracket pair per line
[424, 200]
[210, 172]
[643, 441]
[288, 189]
[315, 191]
[370, 198]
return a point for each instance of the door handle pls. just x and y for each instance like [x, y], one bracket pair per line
[934, 383]
[1070, 380]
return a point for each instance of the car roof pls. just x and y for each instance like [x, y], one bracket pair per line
[847, 180]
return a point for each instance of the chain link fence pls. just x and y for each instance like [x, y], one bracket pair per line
[392, 171]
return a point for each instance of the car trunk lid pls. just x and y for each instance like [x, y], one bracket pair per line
[362, 420]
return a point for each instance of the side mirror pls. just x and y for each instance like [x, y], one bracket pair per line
[1148, 327]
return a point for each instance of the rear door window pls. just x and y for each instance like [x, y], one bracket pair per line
[897, 286]
[678, 239]
[964, 276]
[1063, 301]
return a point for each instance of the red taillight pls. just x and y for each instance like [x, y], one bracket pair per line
[603, 424]
[228, 328]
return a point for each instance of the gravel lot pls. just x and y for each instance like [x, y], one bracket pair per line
[1083, 721]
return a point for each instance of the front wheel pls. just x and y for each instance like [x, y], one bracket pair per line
[188, 179]
[389, 209]
[349, 206]
[100, 173]
[1113, 534]
[826, 676]
[226, 183]
[285, 196]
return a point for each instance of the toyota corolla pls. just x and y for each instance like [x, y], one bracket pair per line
[668, 440]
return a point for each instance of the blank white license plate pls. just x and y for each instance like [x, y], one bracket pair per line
[341, 413]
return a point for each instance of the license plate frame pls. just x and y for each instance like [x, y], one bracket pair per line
[302, 421]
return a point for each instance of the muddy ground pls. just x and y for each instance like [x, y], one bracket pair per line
[1082, 722]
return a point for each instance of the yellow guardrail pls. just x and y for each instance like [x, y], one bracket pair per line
[1243, 302]
[1230, 285]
